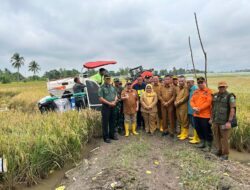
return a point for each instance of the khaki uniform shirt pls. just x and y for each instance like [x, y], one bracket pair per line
[182, 95]
[130, 104]
[157, 89]
[167, 94]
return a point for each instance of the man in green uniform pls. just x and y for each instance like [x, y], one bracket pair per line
[118, 108]
[108, 97]
[99, 77]
[223, 112]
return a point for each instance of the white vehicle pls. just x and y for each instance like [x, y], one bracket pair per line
[61, 92]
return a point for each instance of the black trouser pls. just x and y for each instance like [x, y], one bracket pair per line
[203, 129]
[139, 119]
[108, 130]
[79, 104]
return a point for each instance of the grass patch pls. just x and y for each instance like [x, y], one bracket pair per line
[196, 172]
[132, 152]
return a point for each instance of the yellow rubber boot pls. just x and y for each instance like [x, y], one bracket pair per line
[126, 126]
[196, 138]
[161, 126]
[191, 138]
[134, 129]
[184, 134]
[181, 134]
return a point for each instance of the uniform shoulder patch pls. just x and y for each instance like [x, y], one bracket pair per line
[232, 99]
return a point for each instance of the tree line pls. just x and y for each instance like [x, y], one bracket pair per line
[17, 61]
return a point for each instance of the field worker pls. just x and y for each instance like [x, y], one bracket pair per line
[223, 112]
[118, 112]
[175, 85]
[181, 105]
[167, 97]
[99, 77]
[130, 107]
[140, 88]
[108, 97]
[175, 81]
[148, 80]
[160, 80]
[201, 103]
[78, 88]
[149, 109]
[190, 83]
[157, 87]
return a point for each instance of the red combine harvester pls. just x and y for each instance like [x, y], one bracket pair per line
[138, 71]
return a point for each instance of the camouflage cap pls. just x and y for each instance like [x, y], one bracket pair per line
[107, 76]
[116, 80]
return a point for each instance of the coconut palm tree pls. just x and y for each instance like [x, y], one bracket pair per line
[17, 61]
[34, 67]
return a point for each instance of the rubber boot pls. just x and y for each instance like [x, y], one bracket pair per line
[161, 126]
[134, 129]
[184, 135]
[208, 146]
[196, 138]
[202, 144]
[181, 134]
[191, 138]
[126, 126]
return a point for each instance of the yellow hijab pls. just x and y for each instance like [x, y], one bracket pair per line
[149, 96]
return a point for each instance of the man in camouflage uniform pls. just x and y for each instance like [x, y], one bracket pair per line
[223, 112]
[118, 113]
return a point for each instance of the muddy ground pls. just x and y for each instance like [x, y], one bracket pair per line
[155, 163]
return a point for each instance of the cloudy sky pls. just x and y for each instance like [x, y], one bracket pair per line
[151, 33]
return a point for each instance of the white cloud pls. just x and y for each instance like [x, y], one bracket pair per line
[143, 32]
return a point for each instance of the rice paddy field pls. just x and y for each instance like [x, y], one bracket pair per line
[36, 144]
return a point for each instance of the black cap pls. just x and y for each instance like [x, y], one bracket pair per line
[102, 69]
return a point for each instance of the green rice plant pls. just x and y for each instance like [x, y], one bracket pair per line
[35, 144]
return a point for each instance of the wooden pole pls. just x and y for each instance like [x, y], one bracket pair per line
[192, 58]
[204, 52]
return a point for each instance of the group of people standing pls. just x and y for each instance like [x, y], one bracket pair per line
[169, 105]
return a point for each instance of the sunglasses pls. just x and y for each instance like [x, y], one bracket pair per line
[201, 82]
[129, 83]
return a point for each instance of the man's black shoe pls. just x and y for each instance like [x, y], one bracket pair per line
[164, 134]
[107, 141]
[216, 152]
[172, 136]
[224, 157]
[114, 138]
[202, 144]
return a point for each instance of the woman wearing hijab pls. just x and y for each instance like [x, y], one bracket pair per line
[149, 108]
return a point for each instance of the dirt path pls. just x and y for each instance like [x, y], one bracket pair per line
[156, 163]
